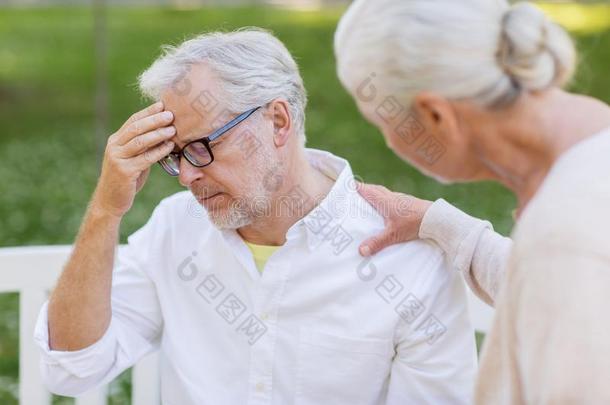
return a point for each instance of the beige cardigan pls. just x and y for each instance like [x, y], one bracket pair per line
[479, 253]
[550, 343]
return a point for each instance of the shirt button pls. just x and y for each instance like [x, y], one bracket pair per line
[260, 387]
[264, 317]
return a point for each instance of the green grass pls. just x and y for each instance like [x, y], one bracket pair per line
[48, 156]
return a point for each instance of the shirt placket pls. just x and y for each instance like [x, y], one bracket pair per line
[266, 308]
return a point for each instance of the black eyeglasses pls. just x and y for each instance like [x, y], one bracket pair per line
[199, 152]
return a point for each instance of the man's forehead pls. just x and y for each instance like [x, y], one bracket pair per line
[195, 102]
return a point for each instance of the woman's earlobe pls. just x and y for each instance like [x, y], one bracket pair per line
[429, 107]
[436, 114]
[437, 117]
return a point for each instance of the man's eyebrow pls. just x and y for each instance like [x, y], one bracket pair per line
[197, 138]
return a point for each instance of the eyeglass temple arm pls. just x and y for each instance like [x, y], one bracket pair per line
[231, 124]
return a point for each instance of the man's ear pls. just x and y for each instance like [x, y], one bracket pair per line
[282, 121]
[437, 115]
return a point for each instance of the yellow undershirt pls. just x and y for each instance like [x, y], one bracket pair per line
[261, 254]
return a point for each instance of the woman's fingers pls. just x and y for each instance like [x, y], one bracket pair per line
[402, 215]
[375, 244]
[378, 196]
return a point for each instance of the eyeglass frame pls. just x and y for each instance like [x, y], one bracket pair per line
[207, 139]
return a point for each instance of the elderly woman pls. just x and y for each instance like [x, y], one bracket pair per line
[472, 90]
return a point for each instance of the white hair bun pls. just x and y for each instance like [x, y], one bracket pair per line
[535, 52]
[482, 50]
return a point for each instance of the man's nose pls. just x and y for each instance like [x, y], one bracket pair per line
[188, 173]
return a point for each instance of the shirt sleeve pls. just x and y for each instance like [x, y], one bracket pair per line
[436, 360]
[133, 331]
[471, 246]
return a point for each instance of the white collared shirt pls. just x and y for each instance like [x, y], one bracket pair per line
[320, 325]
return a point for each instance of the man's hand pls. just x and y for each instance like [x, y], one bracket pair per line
[402, 214]
[80, 310]
[130, 152]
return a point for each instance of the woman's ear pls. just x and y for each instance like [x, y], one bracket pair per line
[282, 121]
[438, 116]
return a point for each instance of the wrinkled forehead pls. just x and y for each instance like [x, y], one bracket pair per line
[197, 102]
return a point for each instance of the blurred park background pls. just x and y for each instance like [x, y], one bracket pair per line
[67, 80]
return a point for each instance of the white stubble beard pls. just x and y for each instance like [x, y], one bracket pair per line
[256, 196]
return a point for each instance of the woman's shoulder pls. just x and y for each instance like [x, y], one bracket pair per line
[571, 207]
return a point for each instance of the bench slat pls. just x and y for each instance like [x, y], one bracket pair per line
[146, 381]
[31, 387]
[94, 397]
[32, 271]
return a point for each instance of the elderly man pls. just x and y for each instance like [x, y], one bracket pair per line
[250, 285]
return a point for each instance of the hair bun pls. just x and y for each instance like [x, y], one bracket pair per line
[535, 52]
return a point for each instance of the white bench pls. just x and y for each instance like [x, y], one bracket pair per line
[33, 271]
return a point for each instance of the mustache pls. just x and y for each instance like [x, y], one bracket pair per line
[204, 191]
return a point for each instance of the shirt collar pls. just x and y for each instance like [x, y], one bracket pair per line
[324, 221]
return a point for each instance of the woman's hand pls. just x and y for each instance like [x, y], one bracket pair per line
[402, 214]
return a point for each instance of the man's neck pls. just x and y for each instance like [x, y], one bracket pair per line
[302, 187]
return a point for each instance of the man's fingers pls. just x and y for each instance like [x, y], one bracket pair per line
[142, 180]
[143, 125]
[373, 245]
[153, 155]
[377, 196]
[142, 143]
[150, 110]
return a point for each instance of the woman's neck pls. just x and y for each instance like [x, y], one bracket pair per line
[520, 144]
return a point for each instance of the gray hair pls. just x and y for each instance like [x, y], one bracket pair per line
[253, 66]
[481, 50]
